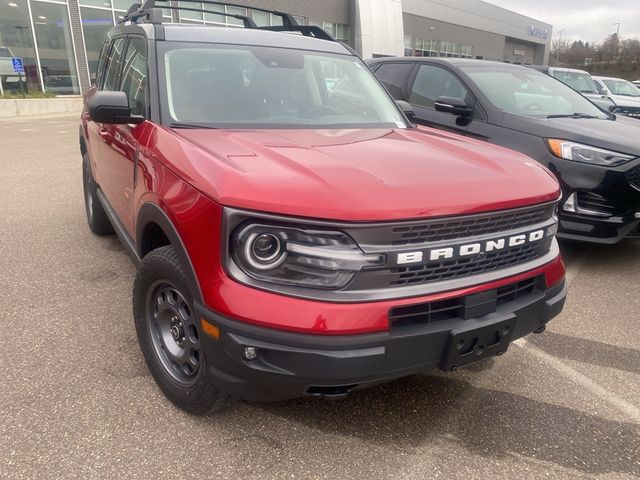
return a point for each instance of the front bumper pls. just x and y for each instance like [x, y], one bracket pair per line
[608, 200]
[290, 365]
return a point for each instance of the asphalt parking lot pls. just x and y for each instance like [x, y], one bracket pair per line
[76, 400]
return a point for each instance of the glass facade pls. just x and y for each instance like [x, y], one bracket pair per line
[42, 34]
[425, 47]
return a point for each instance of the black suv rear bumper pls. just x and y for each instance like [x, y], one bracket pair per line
[290, 365]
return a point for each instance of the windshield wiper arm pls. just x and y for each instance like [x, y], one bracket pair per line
[571, 115]
[190, 125]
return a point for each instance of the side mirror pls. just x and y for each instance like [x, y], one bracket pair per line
[406, 108]
[112, 107]
[453, 105]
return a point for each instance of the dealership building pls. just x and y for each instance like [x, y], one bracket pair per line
[59, 40]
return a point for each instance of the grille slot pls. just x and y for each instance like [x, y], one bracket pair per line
[447, 229]
[451, 269]
[450, 309]
[596, 202]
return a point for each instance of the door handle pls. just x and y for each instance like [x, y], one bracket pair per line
[104, 134]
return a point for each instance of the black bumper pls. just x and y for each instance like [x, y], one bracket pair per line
[291, 365]
[609, 198]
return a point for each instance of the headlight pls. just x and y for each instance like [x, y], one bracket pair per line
[298, 257]
[586, 154]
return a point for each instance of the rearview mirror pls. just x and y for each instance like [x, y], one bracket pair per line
[453, 105]
[406, 108]
[112, 107]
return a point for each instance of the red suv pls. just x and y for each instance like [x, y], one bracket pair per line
[295, 234]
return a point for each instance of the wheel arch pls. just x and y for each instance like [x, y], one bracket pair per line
[155, 229]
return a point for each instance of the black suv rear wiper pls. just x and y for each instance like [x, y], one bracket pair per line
[571, 115]
[190, 125]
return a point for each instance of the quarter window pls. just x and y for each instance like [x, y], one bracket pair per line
[113, 65]
[134, 75]
[394, 77]
[432, 82]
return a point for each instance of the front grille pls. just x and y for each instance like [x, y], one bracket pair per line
[463, 267]
[447, 229]
[633, 112]
[634, 177]
[454, 308]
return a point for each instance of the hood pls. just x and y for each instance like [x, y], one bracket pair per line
[619, 134]
[354, 175]
[624, 101]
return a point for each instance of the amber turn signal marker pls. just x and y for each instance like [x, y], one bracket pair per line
[556, 147]
[210, 329]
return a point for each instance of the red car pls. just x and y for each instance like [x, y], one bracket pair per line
[295, 234]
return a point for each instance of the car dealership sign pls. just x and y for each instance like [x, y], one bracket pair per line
[538, 32]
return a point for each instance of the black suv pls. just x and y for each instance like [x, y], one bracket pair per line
[594, 154]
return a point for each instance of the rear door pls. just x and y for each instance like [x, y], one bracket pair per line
[121, 143]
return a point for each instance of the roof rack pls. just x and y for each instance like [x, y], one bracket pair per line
[151, 11]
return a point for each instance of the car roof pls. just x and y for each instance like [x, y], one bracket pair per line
[457, 62]
[181, 32]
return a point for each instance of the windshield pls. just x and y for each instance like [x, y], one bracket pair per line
[250, 86]
[580, 82]
[527, 92]
[622, 87]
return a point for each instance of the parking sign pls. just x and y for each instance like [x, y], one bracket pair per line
[18, 66]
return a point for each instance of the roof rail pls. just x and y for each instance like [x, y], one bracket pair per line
[151, 11]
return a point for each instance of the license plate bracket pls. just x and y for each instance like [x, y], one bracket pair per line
[474, 343]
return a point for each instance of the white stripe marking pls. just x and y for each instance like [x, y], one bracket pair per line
[621, 405]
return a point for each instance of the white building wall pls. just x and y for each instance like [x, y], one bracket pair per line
[378, 28]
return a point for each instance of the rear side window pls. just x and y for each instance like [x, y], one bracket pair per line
[433, 82]
[394, 77]
[113, 64]
[134, 75]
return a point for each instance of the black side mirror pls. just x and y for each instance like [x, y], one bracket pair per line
[453, 105]
[112, 107]
[406, 108]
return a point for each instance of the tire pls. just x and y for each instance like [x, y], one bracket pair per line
[97, 218]
[169, 334]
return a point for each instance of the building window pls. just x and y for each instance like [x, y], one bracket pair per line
[16, 40]
[96, 22]
[426, 47]
[55, 47]
[408, 45]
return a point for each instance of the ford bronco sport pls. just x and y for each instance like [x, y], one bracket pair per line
[295, 234]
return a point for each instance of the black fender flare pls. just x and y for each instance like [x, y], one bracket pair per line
[152, 213]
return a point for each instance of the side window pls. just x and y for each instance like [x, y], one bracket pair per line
[134, 75]
[432, 82]
[113, 65]
[394, 77]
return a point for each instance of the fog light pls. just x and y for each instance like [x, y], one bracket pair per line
[637, 214]
[250, 353]
[570, 204]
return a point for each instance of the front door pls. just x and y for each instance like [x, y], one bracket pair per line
[121, 143]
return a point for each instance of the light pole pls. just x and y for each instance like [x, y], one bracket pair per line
[558, 47]
[618, 29]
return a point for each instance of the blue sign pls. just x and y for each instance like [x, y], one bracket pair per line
[538, 32]
[18, 66]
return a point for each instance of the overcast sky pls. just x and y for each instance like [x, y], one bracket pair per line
[589, 20]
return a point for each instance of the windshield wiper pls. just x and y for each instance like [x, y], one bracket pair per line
[190, 125]
[572, 115]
